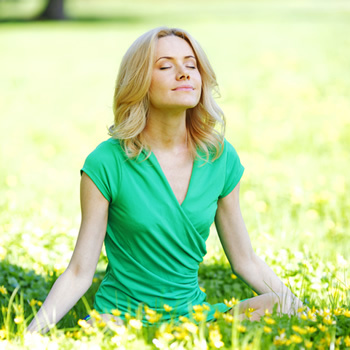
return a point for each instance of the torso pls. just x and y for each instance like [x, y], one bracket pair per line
[178, 170]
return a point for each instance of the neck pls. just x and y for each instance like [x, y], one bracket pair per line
[166, 131]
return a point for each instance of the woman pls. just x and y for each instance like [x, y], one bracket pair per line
[152, 191]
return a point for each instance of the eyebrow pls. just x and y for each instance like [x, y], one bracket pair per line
[171, 58]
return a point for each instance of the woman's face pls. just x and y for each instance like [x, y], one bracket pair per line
[176, 82]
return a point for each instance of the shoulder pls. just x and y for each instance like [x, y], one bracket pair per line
[106, 150]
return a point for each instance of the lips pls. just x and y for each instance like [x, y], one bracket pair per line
[184, 88]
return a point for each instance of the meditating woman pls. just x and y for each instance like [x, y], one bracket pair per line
[152, 191]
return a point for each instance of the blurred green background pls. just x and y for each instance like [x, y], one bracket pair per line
[283, 72]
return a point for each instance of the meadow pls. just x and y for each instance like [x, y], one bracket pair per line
[283, 75]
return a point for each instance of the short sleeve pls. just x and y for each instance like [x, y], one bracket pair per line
[233, 170]
[100, 165]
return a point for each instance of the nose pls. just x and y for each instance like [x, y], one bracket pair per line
[182, 75]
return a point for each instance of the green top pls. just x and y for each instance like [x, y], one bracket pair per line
[154, 245]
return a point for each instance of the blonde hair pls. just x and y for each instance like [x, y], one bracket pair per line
[131, 99]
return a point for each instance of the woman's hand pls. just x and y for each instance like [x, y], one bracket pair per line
[246, 264]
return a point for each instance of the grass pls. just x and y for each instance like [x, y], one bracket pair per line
[282, 70]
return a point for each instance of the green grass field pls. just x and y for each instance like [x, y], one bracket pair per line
[283, 75]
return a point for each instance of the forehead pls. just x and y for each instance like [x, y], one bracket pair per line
[173, 46]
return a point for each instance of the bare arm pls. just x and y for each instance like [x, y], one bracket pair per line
[77, 278]
[238, 249]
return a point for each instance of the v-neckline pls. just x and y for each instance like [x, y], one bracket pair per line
[168, 183]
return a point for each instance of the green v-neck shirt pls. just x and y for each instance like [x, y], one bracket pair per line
[154, 245]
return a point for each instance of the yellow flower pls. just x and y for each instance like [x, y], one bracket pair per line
[167, 308]
[94, 314]
[202, 289]
[217, 314]
[322, 328]
[183, 319]
[296, 338]
[233, 276]
[3, 290]
[199, 316]
[116, 312]
[267, 312]
[19, 319]
[198, 308]
[127, 315]
[241, 328]
[39, 303]
[83, 324]
[134, 323]
[2, 334]
[232, 302]
[308, 344]
[191, 327]
[347, 340]
[168, 336]
[346, 313]
[310, 329]
[338, 311]
[206, 307]
[269, 320]
[327, 320]
[267, 329]
[227, 317]
[215, 337]
[299, 330]
[248, 312]
[32, 303]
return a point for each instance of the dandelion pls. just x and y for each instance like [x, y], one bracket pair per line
[233, 276]
[267, 312]
[167, 308]
[32, 303]
[202, 289]
[267, 329]
[39, 303]
[3, 290]
[134, 323]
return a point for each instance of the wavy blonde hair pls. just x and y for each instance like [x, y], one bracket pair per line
[131, 99]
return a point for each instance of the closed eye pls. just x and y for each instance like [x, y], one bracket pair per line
[162, 68]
